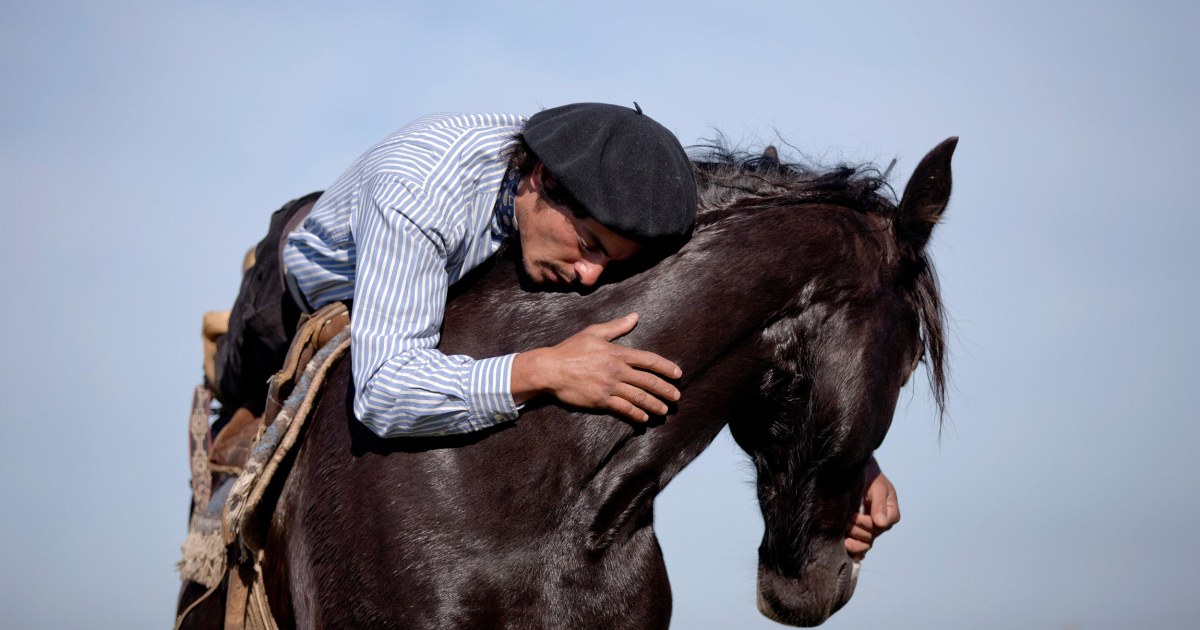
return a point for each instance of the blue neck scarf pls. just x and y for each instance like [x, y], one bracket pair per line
[505, 223]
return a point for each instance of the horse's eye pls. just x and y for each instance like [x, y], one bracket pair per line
[780, 429]
[918, 358]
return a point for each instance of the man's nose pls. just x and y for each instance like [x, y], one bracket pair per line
[588, 273]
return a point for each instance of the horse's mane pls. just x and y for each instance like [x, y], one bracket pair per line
[727, 175]
[734, 181]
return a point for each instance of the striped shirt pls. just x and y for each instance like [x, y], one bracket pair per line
[407, 220]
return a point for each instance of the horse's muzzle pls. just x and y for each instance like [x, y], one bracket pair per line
[810, 599]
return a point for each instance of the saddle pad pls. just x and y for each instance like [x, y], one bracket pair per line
[230, 476]
[248, 508]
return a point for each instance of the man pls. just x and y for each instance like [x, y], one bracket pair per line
[579, 187]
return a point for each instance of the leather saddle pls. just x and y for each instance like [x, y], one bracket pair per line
[231, 447]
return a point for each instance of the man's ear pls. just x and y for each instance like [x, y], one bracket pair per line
[546, 181]
[537, 177]
[533, 181]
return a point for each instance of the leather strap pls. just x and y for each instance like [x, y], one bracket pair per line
[237, 594]
[314, 331]
[293, 222]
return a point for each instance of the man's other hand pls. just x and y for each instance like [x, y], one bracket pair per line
[881, 510]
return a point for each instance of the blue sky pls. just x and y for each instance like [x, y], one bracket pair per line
[144, 144]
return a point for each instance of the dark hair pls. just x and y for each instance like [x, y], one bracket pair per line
[522, 158]
[519, 155]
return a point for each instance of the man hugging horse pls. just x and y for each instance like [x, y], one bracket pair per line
[587, 192]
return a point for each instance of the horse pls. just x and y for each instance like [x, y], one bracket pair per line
[799, 308]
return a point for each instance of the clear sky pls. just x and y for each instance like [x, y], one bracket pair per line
[144, 143]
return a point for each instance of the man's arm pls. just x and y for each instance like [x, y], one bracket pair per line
[403, 384]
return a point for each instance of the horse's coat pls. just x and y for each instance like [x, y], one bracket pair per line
[797, 311]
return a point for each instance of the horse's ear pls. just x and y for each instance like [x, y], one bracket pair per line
[771, 155]
[926, 195]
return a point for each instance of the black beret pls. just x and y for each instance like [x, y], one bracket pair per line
[629, 172]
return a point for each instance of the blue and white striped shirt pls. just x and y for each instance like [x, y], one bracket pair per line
[406, 221]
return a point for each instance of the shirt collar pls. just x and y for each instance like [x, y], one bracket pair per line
[504, 220]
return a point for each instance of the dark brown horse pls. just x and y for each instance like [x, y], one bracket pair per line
[800, 307]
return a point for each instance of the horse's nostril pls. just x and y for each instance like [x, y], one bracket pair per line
[847, 582]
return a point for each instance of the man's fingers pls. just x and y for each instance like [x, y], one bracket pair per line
[623, 407]
[876, 501]
[883, 511]
[857, 548]
[633, 357]
[651, 383]
[622, 380]
[881, 502]
[890, 515]
[616, 328]
[861, 535]
[885, 508]
[862, 528]
[641, 398]
[644, 360]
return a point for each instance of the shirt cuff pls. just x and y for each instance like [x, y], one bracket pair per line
[489, 392]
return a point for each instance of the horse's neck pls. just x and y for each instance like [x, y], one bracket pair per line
[703, 309]
[724, 288]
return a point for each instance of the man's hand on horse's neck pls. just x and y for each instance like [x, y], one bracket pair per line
[587, 370]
